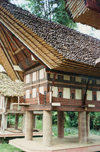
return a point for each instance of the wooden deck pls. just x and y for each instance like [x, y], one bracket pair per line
[17, 133]
[68, 144]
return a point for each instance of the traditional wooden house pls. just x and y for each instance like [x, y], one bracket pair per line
[84, 11]
[59, 69]
[10, 92]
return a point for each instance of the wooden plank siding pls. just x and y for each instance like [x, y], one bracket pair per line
[73, 101]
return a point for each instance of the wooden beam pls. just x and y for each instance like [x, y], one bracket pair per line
[19, 50]
[9, 52]
[7, 65]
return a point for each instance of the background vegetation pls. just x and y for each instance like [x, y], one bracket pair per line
[52, 10]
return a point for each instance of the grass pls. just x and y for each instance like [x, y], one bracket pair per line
[8, 148]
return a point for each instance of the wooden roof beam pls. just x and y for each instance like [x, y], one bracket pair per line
[18, 50]
[7, 66]
[14, 42]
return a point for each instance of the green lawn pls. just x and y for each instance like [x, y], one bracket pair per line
[8, 148]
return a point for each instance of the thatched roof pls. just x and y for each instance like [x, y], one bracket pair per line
[84, 11]
[9, 87]
[66, 47]
[70, 43]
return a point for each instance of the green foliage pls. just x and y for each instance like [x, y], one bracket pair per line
[61, 16]
[54, 117]
[53, 10]
[67, 120]
[95, 120]
[8, 148]
[73, 116]
[39, 124]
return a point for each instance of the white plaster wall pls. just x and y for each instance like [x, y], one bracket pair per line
[34, 76]
[78, 79]
[66, 93]
[78, 94]
[34, 93]
[55, 91]
[41, 73]
[97, 81]
[27, 94]
[90, 82]
[27, 78]
[89, 95]
[66, 77]
[51, 75]
[98, 95]
[41, 90]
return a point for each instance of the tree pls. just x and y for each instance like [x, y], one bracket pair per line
[53, 10]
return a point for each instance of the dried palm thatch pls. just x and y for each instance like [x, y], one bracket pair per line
[9, 87]
[84, 11]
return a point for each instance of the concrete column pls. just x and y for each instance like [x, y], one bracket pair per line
[60, 124]
[28, 125]
[3, 123]
[16, 120]
[82, 127]
[87, 123]
[47, 128]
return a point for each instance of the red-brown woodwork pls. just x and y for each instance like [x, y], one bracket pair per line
[93, 4]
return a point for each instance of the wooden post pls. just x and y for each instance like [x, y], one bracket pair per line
[47, 128]
[82, 127]
[87, 123]
[4, 117]
[3, 122]
[16, 120]
[34, 116]
[23, 124]
[28, 125]
[60, 124]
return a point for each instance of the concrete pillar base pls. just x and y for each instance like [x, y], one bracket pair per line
[47, 128]
[60, 124]
[28, 125]
[82, 127]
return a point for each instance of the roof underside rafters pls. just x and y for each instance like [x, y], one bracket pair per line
[6, 64]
